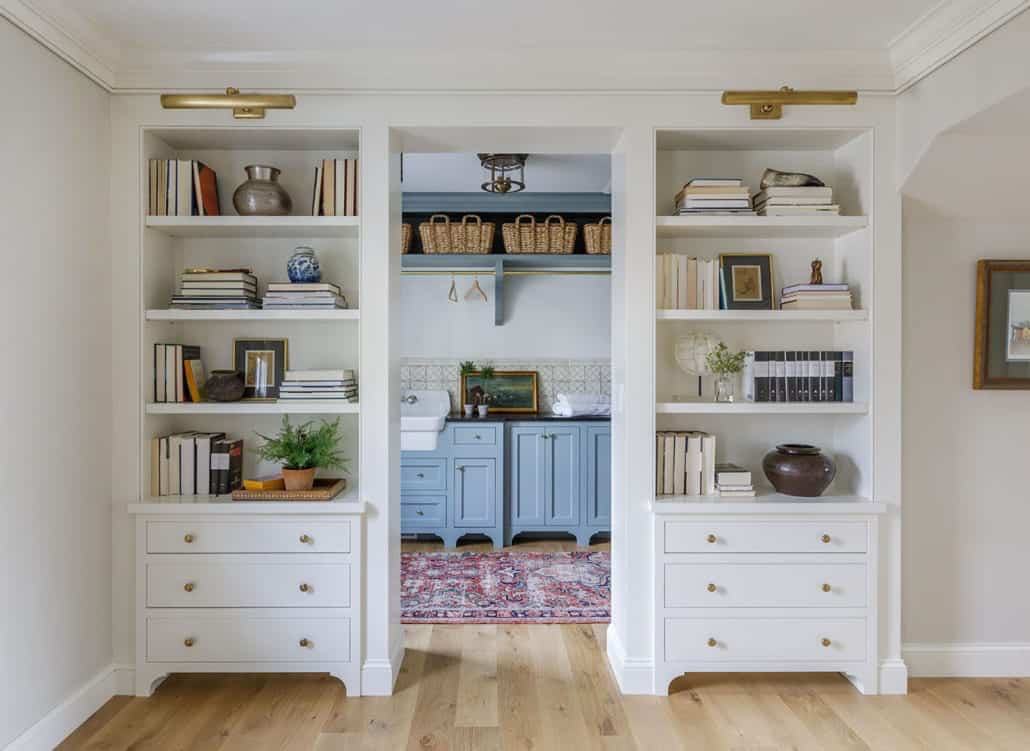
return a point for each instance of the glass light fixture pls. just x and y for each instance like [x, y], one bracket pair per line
[507, 172]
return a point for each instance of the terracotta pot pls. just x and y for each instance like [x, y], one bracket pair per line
[799, 469]
[299, 479]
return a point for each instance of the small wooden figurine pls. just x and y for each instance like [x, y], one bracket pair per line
[817, 272]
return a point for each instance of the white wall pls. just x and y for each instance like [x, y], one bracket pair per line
[55, 544]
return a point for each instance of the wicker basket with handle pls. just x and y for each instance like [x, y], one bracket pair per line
[405, 238]
[525, 235]
[599, 237]
[441, 235]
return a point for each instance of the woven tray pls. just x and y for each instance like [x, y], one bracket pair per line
[554, 235]
[599, 237]
[326, 488]
[471, 235]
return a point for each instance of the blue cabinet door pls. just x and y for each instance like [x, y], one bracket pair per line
[475, 492]
[527, 475]
[598, 491]
[563, 473]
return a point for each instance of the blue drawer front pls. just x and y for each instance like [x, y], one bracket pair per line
[475, 435]
[423, 512]
[423, 474]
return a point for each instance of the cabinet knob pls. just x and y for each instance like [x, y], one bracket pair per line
[419, 512]
[827, 588]
[712, 588]
[305, 643]
[188, 586]
[712, 643]
[306, 540]
[461, 469]
[305, 587]
[825, 539]
[420, 475]
[187, 539]
[711, 538]
[479, 437]
[187, 642]
[826, 642]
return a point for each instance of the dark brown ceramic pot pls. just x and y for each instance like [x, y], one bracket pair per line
[224, 386]
[799, 469]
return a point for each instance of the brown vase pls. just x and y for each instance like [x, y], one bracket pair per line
[299, 479]
[799, 469]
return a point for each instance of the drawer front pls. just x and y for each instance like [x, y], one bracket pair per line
[424, 474]
[423, 511]
[248, 585]
[232, 638]
[475, 435]
[765, 537]
[729, 585]
[729, 640]
[249, 536]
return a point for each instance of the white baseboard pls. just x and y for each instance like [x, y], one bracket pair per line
[634, 675]
[379, 676]
[63, 719]
[968, 659]
[893, 677]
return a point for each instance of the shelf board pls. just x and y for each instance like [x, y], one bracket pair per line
[762, 408]
[345, 503]
[255, 226]
[507, 203]
[297, 407]
[759, 226]
[766, 501]
[511, 263]
[729, 316]
[253, 315]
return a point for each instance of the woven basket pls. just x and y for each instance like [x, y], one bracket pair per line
[405, 239]
[599, 237]
[472, 235]
[524, 235]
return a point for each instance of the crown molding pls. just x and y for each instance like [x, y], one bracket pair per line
[944, 32]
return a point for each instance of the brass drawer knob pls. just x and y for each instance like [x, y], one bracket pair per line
[711, 538]
[305, 587]
[826, 642]
[187, 642]
[827, 588]
[305, 643]
[712, 587]
[419, 512]
[825, 539]
[712, 642]
[187, 539]
[420, 475]
[188, 586]
[305, 540]
[479, 437]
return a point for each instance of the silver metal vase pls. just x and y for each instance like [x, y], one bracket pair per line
[261, 194]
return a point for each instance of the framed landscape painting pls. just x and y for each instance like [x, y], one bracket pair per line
[511, 391]
[1001, 351]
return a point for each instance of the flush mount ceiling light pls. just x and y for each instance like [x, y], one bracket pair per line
[507, 172]
[243, 106]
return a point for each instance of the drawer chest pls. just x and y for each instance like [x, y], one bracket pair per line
[248, 587]
[781, 587]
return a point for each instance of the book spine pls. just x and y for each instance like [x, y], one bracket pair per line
[814, 377]
[235, 475]
[781, 376]
[219, 466]
[792, 376]
[838, 376]
[155, 467]
[848, 380]
[164, 461]
[761, 376]
[748, 376]
[828, 376]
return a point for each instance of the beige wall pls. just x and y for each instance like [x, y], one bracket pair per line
[55, 533]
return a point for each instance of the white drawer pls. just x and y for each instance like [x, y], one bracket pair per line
[727, 640]
[784, 585]
[192, 584]
[293, 536]
[233, 638]
[765, 537]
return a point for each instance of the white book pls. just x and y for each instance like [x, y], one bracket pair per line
[319, 375]
[164, 456]
[693, 464]
[668, 481]
[203, 463]
[748, 376]
[170, 394]
[159, 373]
[659, 283]
[670, 281]
[316, 199]
[708, 464]
[340, 187]
[188, 465]
[174, 483]
[681, 282]
[680, 467]
[184, 187]
[659, 463]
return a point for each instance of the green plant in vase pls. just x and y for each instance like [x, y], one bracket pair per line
[467, 368]
[486, 375]
[302, 449]
[725, 366]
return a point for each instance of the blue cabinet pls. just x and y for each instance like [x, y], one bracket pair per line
[527, 475]
[475, 494]
[597, 463]
[563, 473]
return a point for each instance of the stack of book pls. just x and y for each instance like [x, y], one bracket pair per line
[685, 463]
[319, 385]
[182, 187]
[336, 188]
[195, 464]
[803, 201]
[733, 482]
[792, 376]
[178, 373]
[816, 297]
[303, 296]
[686, 283]
[714, 195]
[207, 289]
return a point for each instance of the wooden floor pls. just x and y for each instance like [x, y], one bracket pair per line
[537, 687]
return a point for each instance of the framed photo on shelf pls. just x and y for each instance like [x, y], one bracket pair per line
[511, 391]
[746, 281]
[1001, 350]
[263, 363]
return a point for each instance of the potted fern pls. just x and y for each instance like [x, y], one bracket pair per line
[467, 368]
[725, 365]
[302, 449]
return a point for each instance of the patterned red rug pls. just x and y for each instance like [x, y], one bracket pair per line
[506, 587]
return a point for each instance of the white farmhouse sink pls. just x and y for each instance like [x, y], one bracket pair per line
[423, 415]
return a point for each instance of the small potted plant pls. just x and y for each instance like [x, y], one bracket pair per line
[467, 368]
[725, 365]
[486, 375]
[302, 450]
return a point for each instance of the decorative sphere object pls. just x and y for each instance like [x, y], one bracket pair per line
[224, 386]
[799, 469]
[691, 352]
[261, 194]
[303, 266]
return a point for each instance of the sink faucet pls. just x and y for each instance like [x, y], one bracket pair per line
[409, 399]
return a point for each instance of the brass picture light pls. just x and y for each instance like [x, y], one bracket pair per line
[768, 105]
[243, 106]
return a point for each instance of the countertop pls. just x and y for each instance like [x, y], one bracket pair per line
[526, 417]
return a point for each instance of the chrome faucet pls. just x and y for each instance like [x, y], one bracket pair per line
[409, 399]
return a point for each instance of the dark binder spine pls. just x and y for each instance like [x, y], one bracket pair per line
[848, 380]
[781, 376]
[814, 376]
[827, 379]
[838, 376]
[792, 377]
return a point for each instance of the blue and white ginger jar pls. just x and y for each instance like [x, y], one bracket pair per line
[303, 266]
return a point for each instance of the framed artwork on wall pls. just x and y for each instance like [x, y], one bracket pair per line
[1001, 350]
[511, 391]
[263, 363]
[746, 281]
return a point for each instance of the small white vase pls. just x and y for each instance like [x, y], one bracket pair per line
[469, 410]
[483, 409]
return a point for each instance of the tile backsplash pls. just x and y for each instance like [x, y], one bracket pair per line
[554, 376]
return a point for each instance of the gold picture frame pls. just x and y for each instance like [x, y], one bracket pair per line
[517, 392]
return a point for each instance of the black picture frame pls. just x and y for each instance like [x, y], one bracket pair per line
[746, 281]
[263, 363]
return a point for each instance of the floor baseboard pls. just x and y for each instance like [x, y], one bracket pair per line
[968, 659]
[378, 677]
[634, 675]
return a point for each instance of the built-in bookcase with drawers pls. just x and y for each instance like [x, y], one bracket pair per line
[168, 245]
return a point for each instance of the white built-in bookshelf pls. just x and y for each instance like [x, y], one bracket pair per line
[316, 339]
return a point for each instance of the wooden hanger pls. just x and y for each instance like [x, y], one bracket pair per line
[475, 289]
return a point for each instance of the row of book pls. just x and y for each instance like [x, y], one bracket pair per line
[808, 200]
[796, 376]
[208, 289]
[195, 463]
[336, 188]
[303, 296]
[182, 187]
[732, 481]
[178, 373]
[816, 297]
[319, 385]
[714, 196]
[686, 283]
[685, 463]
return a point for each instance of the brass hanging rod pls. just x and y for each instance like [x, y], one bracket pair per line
[489, 272]
[768, 105]
[243, 106]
